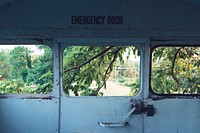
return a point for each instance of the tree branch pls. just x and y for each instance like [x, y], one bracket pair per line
[113, 60]
[88, 61]
[110, 65]
[173, 64]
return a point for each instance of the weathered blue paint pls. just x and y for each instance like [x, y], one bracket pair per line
[28, 116]
[141, 18]
[174, 116]
[145, 23]
[93, 110]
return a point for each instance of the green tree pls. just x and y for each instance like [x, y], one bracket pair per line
[41, 72]
[176, 70]
[85, 64]
[24, 72]
[4, 64]
[20, 62]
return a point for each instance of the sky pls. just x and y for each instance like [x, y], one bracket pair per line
[30, 47]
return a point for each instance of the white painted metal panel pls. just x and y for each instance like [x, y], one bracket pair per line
[83, 114]
[28, 116]
[174, 116]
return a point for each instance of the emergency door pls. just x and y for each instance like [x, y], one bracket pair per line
[117, 113]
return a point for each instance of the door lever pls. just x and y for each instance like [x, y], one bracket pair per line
[122, 123]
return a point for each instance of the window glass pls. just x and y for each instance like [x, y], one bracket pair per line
[25, 69]
[101, 70]
[176, 70]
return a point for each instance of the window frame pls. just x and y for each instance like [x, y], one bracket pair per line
[135, 46]
[47, 96]
[156, 44]
[143, 44]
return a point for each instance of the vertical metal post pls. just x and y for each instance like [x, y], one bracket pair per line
[145, 75]
[146, 69]
[57, 71]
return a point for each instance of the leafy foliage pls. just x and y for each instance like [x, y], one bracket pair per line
[25, 73]
[4, 64]
[41, 73]
[86, 64]
[176, 70]
[20, 62]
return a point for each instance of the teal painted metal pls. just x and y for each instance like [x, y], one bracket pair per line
[28, 115]
[49, 19]
[144, 24]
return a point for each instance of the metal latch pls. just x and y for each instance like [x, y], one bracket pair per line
[142, 107]
[137, 107]
[121, 123]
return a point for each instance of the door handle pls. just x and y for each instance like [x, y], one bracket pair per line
[122, 123]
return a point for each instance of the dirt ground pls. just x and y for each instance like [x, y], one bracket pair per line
[115, 89]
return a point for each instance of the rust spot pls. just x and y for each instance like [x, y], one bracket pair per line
[11, 96]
